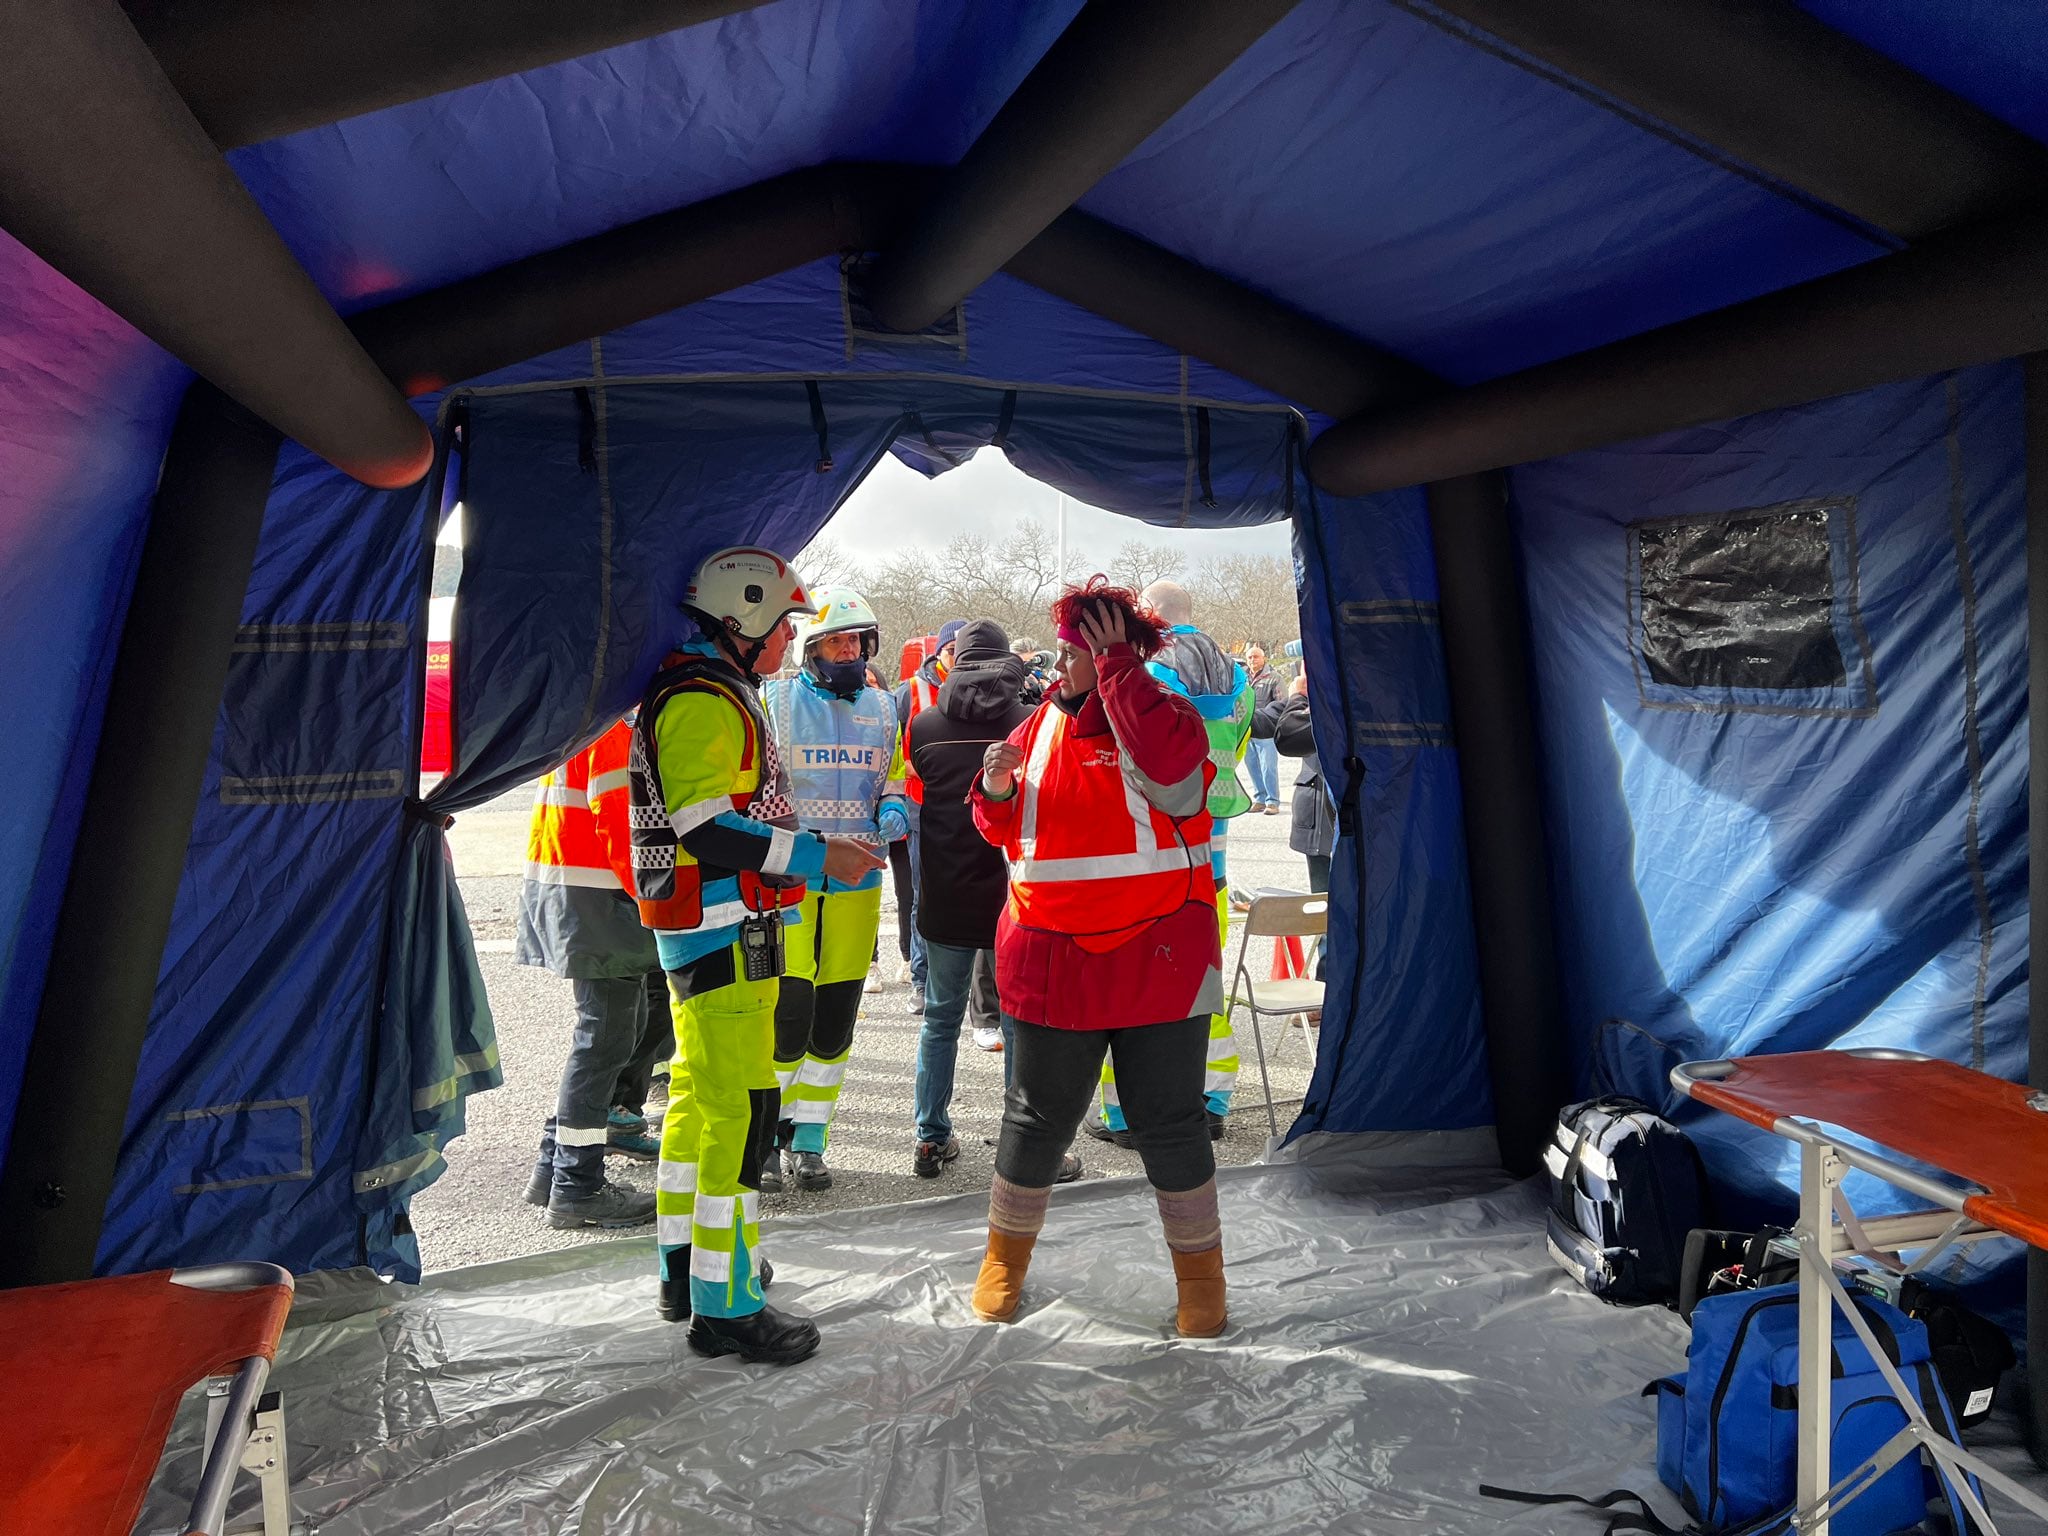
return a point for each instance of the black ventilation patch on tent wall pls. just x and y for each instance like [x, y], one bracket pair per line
[1746, 610]
[864, 331]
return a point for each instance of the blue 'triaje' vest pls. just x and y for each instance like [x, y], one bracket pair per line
[837, 754]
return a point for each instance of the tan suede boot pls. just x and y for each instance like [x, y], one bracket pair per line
[1202, 1313]
[1000, 1284]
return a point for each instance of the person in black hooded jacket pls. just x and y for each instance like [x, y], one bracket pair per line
[962, 880]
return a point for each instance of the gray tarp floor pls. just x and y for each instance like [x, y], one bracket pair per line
[1387, 1352]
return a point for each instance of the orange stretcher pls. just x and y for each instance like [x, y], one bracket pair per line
[1973, 1145]
[100, 1365]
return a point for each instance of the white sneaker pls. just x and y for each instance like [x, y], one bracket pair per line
[902, 973]
[988, 1039]
[914, 1004]
[875, 981]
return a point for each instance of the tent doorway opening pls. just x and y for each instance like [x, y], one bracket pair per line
[938, 526]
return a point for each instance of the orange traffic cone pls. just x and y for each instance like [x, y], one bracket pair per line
[1289, 963]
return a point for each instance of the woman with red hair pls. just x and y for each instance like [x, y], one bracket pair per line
[1107, 942]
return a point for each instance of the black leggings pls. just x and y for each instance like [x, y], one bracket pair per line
[1161, 1070]
[900, 876]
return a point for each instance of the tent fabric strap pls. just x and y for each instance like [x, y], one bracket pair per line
[820, 425]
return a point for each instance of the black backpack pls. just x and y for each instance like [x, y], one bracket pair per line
[1626, 1187]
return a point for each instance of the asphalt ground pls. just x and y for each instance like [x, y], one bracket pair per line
[474, 1213]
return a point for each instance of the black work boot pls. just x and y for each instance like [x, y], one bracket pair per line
[540, 1184]
[806, 1169]
[610, 1205]
[767, 1337]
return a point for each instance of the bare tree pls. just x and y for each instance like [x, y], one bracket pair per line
[1031, 558]
[907, 595]
[1242, 598]
[1238, 598]
[1138, 564]
[824, 563]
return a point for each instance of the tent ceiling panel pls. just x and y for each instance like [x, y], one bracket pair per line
[416, 196]
[1767, 86]
[1488, 219]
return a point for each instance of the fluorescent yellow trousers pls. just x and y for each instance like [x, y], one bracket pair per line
[722, 1107]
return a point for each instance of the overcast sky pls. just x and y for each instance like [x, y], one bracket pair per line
[896, 505]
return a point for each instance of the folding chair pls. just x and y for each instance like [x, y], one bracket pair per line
[1277, 915]
[100, 1366]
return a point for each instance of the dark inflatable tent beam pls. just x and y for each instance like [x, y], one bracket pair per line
[259, 69]
[1479, 593]
[1148, 289]
[1117, 73]
[162, 704]
[109, 180]
[1962, 297]
[591, 287]
[1768, 86]
[2037, 857]
[601, 284]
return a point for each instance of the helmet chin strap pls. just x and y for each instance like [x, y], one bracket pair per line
[729, 643]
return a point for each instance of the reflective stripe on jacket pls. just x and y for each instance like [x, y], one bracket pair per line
[924, 694]
[575, 917]
[1090, 855]
[568, 841]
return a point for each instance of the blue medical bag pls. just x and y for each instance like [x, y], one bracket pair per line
[1727, 1429]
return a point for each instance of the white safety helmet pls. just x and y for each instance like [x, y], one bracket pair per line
[746, 592]
[841, 610]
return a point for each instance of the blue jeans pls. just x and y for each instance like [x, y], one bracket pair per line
[949, 976]
[1263, 759]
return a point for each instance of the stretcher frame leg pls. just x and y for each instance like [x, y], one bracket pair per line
[1820, 1173]
[1821, 1168]
[244, 1433]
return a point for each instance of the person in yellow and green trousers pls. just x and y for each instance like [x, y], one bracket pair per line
[718, 864]
[837, 738]
[1195, 666]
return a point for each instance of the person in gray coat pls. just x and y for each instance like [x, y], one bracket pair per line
[1313, 833]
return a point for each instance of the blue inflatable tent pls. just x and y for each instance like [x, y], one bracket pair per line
[1646, 393]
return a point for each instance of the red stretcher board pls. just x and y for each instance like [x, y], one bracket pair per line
[1976, 1127]
[97, 1368]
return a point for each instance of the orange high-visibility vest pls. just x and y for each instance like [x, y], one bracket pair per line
[580, 830]
[1090, 856]
[922, 697]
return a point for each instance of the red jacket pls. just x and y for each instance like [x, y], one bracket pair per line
[1169, 969]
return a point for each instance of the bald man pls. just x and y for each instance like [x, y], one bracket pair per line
[1194, 665]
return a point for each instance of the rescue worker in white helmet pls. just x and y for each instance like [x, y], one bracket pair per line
[717, 864]
[837, 737]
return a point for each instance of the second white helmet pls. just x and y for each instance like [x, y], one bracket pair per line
[841, 610]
